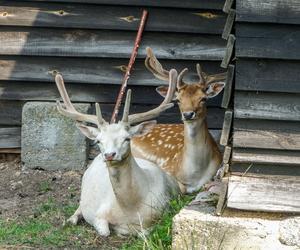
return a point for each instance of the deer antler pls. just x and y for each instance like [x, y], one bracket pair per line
[70, 110]
[166, 104]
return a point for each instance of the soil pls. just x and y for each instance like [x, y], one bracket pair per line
[23, 190]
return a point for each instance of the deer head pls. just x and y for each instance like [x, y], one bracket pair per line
[191, 97]
[114, 139]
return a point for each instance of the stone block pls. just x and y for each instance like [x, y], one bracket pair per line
[196, 227]
[51, 141]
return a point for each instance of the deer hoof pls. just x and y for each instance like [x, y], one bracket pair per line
[73, 220]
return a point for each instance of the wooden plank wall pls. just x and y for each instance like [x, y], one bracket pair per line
[267, 86]
[90, 41]
[265, 163]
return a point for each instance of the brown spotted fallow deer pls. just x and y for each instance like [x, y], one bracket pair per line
[188, 152]
[119, 191]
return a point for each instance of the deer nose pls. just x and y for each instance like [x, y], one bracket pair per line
[109, 156]
[188, 115]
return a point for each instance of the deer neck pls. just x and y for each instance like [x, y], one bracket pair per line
[128, 182]
[196, 151]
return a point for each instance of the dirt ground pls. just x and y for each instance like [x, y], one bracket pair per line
[23, 190]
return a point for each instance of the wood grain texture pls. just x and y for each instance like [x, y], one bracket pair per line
[229, 51]
[268, 106]
[93, 70]
[225, 137]
[227, 93]
[275, 11]
[105, 43]
[237, 168]
[45, 14]
[229, 24]
[10, 137]
[266, 156]
[11, 114]
[103, 93]
[193, 4]
[227, 154]
[227, 5]
[268, 75]
[264, 193]
[268, 41]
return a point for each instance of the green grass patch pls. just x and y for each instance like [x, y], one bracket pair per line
[45, 228]
[160, 237]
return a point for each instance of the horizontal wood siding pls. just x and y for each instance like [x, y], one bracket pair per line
[266, 123]
[90, 42]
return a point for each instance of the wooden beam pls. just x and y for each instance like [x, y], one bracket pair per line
[267, 41]
[10, 137]
[191, 4]
[228, 5]
[84, 16]
[268, 106]
[229, 51]
[222, 197]
[237, 168]
[227, 155]
[264, 193]
[228, 87]
[274, 11]
[268, 75]
[92, 70]
[105, 43]
[11, 114]
[10, 150]
[225, 137]
[266, 139]
[229, 24]
[265, 156]
[103, 93]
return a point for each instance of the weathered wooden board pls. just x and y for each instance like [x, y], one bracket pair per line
[264, 169]
[275, 11]
[103, 93]
[93, 70]
[227, 5]
[269, 106]
[105, 43]
[225, 137]
[193, 4]
[266, 156]
[10, 137]
[229, 51]
[227, 93]
[264, 193]
[11, 114]
[229, 24]
[266, 139]
[267, 41]
[268, 75]
[114, 17]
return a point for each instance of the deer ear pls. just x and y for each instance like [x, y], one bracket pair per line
[163, 90]
[142, 128]
[89, 132]
[214, 89]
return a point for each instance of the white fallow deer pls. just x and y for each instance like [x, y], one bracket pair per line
[118, 191]
[188, 152]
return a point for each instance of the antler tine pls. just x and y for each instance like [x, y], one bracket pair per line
[100, 119]
[154, 66]
[126, 106]
[166, 104]
[217, 77]
[69, 109]
[180, 82]
[201, 74]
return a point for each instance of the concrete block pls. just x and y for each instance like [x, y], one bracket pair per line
[196, 227]
[51, 141]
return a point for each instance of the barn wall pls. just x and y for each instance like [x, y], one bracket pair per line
[266, 128]
[90, 42]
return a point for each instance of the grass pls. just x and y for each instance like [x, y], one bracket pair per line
[45, 229]
[160, 237]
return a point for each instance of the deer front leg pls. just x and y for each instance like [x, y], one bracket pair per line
[75, 217]
[102, 227]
